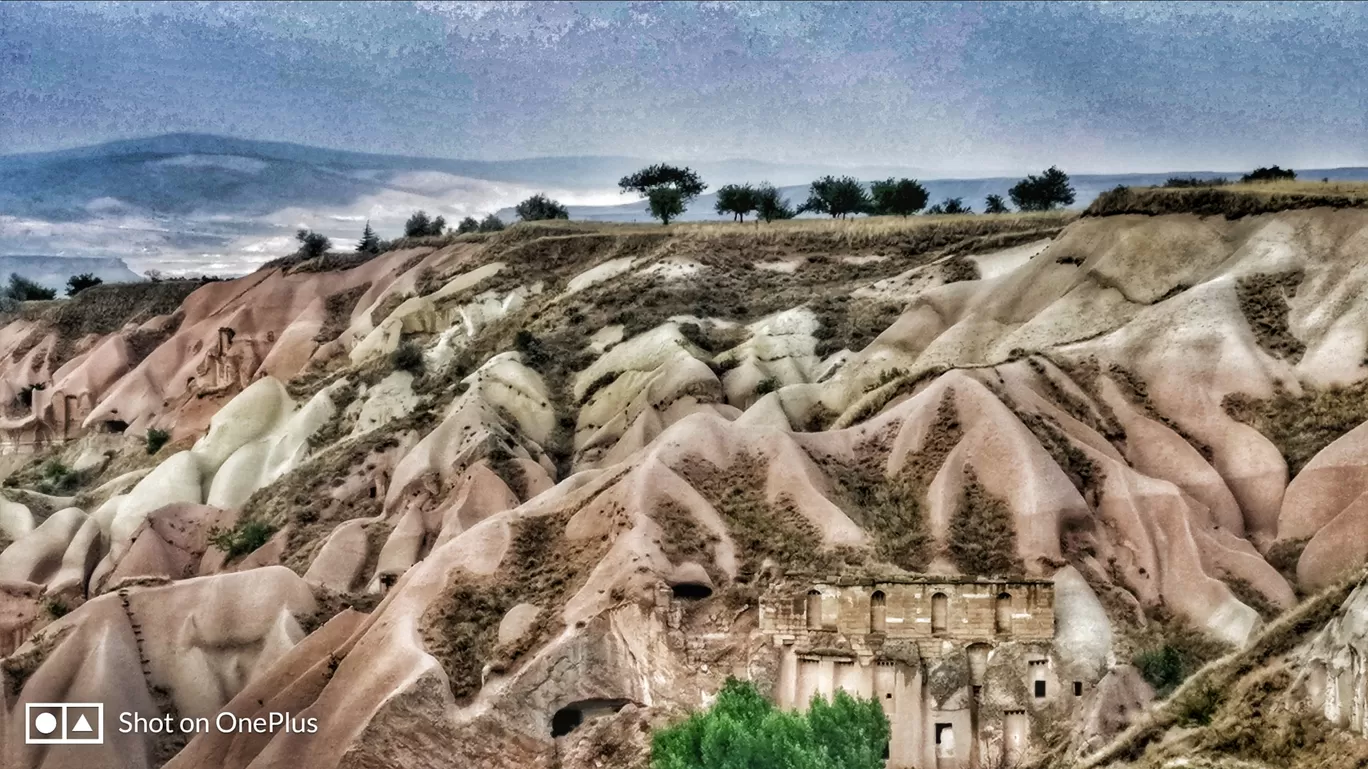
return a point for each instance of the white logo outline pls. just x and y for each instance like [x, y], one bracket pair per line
[30, 738]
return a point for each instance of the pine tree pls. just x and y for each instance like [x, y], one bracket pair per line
[370, 242]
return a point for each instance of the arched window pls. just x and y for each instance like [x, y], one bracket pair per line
[940, 607]
[878, 612]
[1002, 617]
[814, 610]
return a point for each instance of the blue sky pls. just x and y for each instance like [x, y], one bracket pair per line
[953, 88]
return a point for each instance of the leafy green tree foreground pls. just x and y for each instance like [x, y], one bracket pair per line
[743, 730]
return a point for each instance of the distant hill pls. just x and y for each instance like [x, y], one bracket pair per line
[196, 203]
[53, 271]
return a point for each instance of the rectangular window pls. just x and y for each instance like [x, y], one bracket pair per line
[1078, 688]
[1039, 689]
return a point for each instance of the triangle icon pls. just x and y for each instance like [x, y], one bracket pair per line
[82, 725]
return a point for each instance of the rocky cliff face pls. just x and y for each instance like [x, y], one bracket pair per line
[511, 500]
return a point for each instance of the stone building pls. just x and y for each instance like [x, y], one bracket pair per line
[963, 667]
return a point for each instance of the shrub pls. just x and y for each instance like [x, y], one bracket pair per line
[156, 438]
[742, 728]
[897, 197]
[767, 385]
[78, 283]
[467, 225]
[994, 204]
[244, 537]
[1192, 181]
[419, 225]
[540, 208]
[491, 223]
[22, 289]
[737, 200]
[982, 537]
[1269, 174]
[1044, 192]
[836, 197]
[408, 356]
[312, 244]
[56, 607]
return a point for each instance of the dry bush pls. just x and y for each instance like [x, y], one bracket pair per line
[1301, 425]
[1263, 301]
[1231, 201]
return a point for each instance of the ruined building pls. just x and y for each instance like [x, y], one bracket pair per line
[964, 668]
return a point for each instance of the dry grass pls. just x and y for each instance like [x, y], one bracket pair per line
[1234, 714]
[1231, 201]
[1301, 425]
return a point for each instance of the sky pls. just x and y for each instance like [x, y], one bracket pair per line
[952, 88]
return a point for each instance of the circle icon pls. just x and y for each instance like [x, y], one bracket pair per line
[45, 723]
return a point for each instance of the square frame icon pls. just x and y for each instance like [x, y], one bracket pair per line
[65, 717]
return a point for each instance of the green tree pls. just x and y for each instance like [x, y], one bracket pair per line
[1044, 192]
[897, 197]
[770, 205]
[312, 244]
[369, 243]
[491, 223]
[994, 204]
[420, 226]
[835, 197]
[468, 224]
[22, 289]
[1269, 174]
[540, 208]
[667, 189]
[950, 206]
[737, 200]
[78, 283]
[743, 730]
[665, 203]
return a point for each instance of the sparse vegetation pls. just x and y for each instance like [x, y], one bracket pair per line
[1300, 425]
[78, 283]
[1263, 301]
[156, 438]
[243, 538]
[1193, 181]
[982, 539]
[408, 356]
[1232, 201]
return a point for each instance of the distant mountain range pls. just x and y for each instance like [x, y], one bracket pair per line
[195, 203]
[53, 272]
